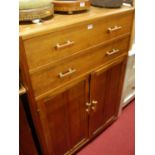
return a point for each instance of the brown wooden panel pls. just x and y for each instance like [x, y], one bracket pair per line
[27, 145]
[64, 118]
[25, 80]
[112, 92]
[21, 150]
[45, 49]
[106, 86]
[98, 90]
[48, 78]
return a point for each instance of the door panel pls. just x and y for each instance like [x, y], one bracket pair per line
[64, 118]
[56, 111]
[112, 92]
[98, 90]
[77, 115]
[106, 85]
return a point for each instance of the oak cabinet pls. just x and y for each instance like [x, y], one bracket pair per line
[73, 68]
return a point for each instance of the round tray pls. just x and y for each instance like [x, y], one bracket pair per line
[32, 4]
[71, 6]
[36, 13]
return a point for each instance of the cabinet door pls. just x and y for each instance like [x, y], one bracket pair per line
[106, 85]
[64, 118]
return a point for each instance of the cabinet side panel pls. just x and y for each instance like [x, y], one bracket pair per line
[26, 141]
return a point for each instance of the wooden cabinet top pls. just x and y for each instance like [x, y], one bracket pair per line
[61, 21]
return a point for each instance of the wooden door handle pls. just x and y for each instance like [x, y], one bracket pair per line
[88, 104]
[69, 72]
[93, 108]
[94, 103]
[113, 29]
[67, 44]
[88, 107]
[113, 51]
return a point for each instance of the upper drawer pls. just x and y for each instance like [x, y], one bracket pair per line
[67, 70]
[55, 46]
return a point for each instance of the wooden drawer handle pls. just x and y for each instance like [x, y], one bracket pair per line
[114, 51]
[113, 29]
[69, 72]
[60, 46]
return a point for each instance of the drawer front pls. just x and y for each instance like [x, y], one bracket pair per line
[63, 72]
[55, 46]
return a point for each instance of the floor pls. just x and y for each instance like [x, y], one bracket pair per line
[118, 139]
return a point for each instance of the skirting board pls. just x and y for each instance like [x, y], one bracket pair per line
[128, 99]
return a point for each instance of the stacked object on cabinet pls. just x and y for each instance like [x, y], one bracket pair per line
[107, 3]
[71, 6]
[37, 9]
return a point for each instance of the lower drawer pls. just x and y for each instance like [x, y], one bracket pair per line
[69, 69]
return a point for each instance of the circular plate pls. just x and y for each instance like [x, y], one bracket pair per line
[70, 5]
[37, 13]
[32, 4]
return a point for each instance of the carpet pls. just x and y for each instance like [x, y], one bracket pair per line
[118, 139]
